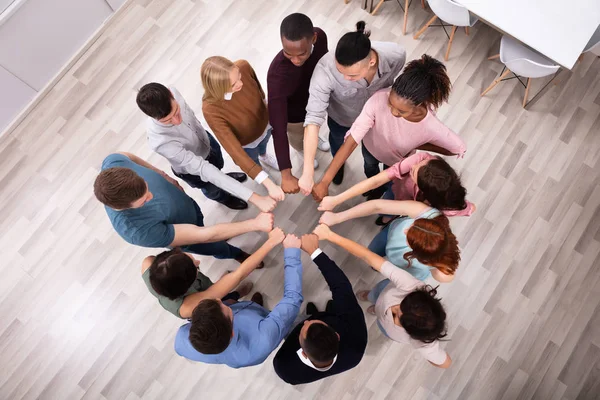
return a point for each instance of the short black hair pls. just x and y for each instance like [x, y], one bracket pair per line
[154, 100]
[353, 46]
[172, 273]
[423, 316]
[210, 331]
[296, 27]
[424, 81]
[440, 186]
[321, 343]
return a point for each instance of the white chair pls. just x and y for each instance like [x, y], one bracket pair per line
[450, 14]
[522, 62]
[593, 45]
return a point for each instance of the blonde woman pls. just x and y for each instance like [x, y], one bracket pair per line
[234, 107]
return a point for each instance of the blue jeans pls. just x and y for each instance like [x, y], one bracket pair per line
[337, 133]
[259, 150]
[374, 295]
[371, 167]
[220, 250]
[215, 157]
[379, 242]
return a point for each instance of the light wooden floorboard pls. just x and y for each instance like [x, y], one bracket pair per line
[76, 321]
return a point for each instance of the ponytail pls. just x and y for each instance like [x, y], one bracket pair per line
[353, 46]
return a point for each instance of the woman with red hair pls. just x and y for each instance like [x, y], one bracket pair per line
[420, 242]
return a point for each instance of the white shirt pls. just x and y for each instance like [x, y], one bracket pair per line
[306, 361]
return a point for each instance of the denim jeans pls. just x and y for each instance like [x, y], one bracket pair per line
[379, 242]
[337, 133]
[220, 250]
[259, 150]
[215, 157]
[371, 167]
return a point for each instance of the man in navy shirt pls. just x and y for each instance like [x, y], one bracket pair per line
[150, 209]
[327, 343]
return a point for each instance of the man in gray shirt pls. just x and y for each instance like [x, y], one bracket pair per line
[339, 88]
[195, 155]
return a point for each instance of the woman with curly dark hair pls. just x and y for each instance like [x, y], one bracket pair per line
[395, 122]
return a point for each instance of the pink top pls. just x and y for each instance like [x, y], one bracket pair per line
[405, 188]
[391, 139]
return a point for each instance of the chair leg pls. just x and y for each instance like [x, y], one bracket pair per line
[526, 92]
[496, 81]
[467, 30]
[450, 42]
[494, 57]
[346, 1]
[423, 4]
[420, 31]
[377, 7]
[405, 17]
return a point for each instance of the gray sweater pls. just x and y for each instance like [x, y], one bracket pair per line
[343, 100]
[186, 146]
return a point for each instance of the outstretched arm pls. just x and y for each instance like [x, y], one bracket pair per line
[228, 282]
[330, 202]
[322, 188]
[279, 321]
[186, 234]
[394, 207]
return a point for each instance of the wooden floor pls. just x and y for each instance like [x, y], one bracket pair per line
[76, 321]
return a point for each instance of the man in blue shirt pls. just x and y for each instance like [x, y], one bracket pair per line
[150, 209]
[245, 333]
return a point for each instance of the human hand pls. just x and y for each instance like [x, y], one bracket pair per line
[291, 241]
[329, 218]
[276, 193]
[306, 184]
[263, 203]
[264, 222]
[320, 190]
[327, 204]
[310, 243]
[323, 232]
[276, 236]
[289, 183]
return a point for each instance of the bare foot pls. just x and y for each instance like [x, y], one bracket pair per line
[363, 295]
[371, 310]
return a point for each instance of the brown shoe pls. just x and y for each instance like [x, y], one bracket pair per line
[243, 256]
[257, 298]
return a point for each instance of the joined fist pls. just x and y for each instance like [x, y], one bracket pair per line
[291, 240]
[323, 232]
[328, 218]
[310, 243]
[328, 203]
[276, 236]
[264, 222]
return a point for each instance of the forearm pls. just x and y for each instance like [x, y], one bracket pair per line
[362, 187]
[210, 173]
[186, 234]
[340, 158]
[358, 250]
[435, 149]
[311, 141]
[361, 210]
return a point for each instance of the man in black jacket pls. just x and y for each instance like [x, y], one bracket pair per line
[327, 343]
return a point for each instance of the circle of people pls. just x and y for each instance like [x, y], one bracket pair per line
[366, 94]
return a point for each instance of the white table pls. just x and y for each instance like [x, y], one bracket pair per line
[557, 29]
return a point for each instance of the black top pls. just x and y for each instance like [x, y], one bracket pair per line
[347, 320]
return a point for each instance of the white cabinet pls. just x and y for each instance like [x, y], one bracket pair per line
[15, 96]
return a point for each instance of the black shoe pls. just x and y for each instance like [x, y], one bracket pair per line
[329, 307]
[379, 221]
[258, 299]
[243, 256]
[367, 193]
[238, 176]
[376, 193]
[234, 203]
[339, 177]
[311, 309]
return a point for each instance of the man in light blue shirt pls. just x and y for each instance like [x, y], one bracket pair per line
[245, 333]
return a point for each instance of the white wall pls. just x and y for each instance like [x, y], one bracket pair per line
[37, 40]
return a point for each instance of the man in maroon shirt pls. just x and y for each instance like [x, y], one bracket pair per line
[288, 80]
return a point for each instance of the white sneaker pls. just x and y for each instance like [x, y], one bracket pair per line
[323, 145]
[315, 162]
[269, 160]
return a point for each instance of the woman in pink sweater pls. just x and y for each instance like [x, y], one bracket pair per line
[421, 177]
[395, 122]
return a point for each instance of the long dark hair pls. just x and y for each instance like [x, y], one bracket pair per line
[353, 46]
[424, 81]
[440, 186]
[423, 316]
